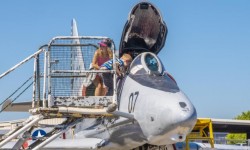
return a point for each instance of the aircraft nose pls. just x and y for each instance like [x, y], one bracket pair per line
[185, 114]
[176, 119]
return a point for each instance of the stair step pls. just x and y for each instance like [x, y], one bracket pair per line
[83, 101]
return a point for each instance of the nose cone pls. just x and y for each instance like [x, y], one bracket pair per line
[177, 117]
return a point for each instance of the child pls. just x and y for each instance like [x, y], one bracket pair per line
[121, 65]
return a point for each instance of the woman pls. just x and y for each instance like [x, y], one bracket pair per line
[102, 54]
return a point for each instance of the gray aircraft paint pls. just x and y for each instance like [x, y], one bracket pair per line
[161, 117]
[162, 113]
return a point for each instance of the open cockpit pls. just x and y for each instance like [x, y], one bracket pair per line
[148, 70]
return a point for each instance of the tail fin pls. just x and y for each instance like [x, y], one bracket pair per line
[77, 61]
[74, 31]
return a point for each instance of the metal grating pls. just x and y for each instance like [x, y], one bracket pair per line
[67, 57]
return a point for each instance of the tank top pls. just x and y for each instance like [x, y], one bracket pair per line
[101, 60]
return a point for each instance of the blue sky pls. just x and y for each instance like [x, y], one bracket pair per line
[207, 48]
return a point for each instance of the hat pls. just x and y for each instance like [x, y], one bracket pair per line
[103, 43]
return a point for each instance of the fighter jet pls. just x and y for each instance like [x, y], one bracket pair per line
[147, 110]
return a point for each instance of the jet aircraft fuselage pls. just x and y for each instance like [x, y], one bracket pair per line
[151, 108]
[162, 113]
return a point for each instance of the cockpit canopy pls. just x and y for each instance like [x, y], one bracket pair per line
[145, 31]
[147, 70]
[146, 63]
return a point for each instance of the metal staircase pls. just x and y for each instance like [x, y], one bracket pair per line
[61, 80]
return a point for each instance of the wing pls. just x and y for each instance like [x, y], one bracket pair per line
[16, 107]
[6, 126]
[87, 144]
[231, 125]
[222, 125]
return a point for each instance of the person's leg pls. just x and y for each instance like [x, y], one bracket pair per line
[104, 91]
[84, 89]
[99, 86]
[108, 82]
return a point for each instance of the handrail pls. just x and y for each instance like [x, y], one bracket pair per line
[82, 71]
[22, 62]
[15, 91]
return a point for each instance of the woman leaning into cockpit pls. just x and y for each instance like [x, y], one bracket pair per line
[102, 54]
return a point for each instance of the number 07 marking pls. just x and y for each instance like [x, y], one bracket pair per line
[132, 101]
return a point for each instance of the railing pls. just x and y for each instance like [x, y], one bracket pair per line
[68, 60]
[35, 56]
[61, 67]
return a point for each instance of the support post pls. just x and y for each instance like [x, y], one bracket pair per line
[44, 79]
[35, 82]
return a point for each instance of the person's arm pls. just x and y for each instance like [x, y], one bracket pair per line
[110, 53]
[95, 62]
[118, 69]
